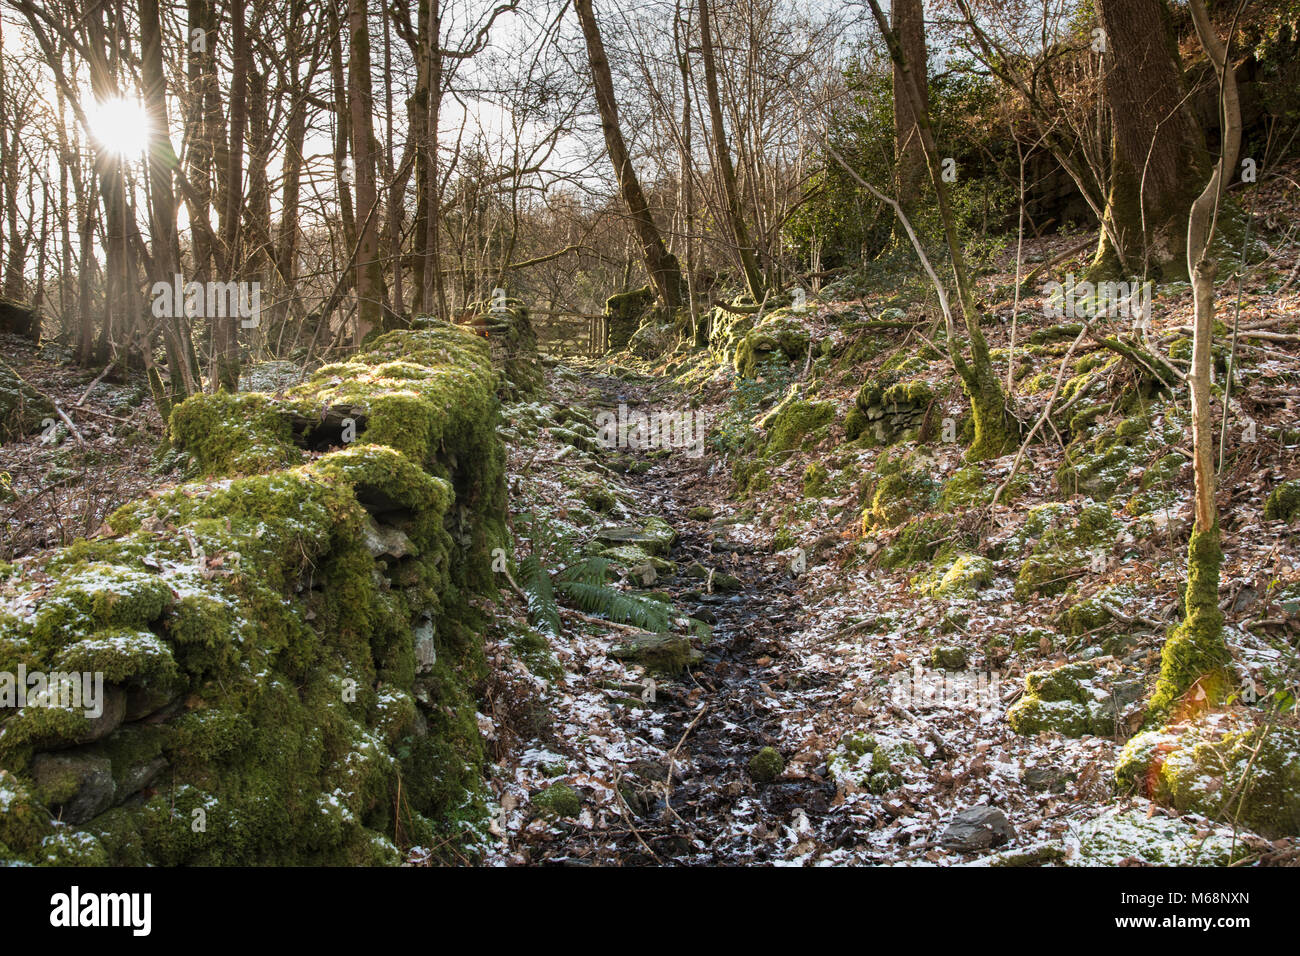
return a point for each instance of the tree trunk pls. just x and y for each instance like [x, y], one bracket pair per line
[224, 371]
[663, 269]
[1157, 160]
[909, 156]
[722, 154]
[370, 282]
[166, 254]
[1195, 654]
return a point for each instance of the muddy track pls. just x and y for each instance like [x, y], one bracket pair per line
[699, 805]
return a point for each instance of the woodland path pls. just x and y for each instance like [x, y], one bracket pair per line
[701, 805]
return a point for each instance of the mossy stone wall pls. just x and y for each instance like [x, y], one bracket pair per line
[290, 643]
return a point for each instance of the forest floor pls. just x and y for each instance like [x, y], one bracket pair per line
[885, 697]
[795, 662]
[808, 698]
[57, 486]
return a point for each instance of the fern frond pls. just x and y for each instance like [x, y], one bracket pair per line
[543, 613]
[586, 571]
[615, 605]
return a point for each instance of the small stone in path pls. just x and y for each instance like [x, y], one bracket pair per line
[977, 828]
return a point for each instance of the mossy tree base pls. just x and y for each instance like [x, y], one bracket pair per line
[1194, 661]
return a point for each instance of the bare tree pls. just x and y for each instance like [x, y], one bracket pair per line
[662, 267]
[1195, 654]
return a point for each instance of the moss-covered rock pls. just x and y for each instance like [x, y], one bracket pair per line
[1283, 503]
[653, 535]
[1107, 460]
[814, 479]
[889, 410]
[1064, 546]
[556, 801]
[1072, 700]
[967, 575]
[794, 422]
[903, 489]
[766, 765]
[623, 312]
[778, 336]
[948, 658]
[1229, 769]
[1119, 837]
[22, 408]
[919, 539]
[667, 654]
[872, 762]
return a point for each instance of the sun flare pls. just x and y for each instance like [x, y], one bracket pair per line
[119, 125]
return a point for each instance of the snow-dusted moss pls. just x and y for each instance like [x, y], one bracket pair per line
[1063, 546]
[265, 623]
[1121, 836]
[1073, 700]
[872, 762]
[1225, 768]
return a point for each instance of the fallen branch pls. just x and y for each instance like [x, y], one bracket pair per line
[1047, 410]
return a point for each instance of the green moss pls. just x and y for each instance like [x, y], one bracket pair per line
[234, 434]
[871, 762]
[1065, 547]
[1094, 613]
[122, 655]
[856, 423]
[766, 765]
[948, 658]
[967, 488]
[283, 609]
[795, 422]
[1122, 837]
[71, 848]
[814, 479]
[1031, 640]
[1283, 503]
[624, 311]
[557, 800]
[915, 392]
[24, 823]
[967, 575]
[1241, 774]
[1065, 700]
[666, 654]
[898, 495]
[862, 348]
[92, 594]
[22, 408]
[918, 540]
[779, 336]
[1194, 660]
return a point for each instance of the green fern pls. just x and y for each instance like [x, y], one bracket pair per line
[587, 571]
[543, 613]
[583, 583]
[615, 605]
